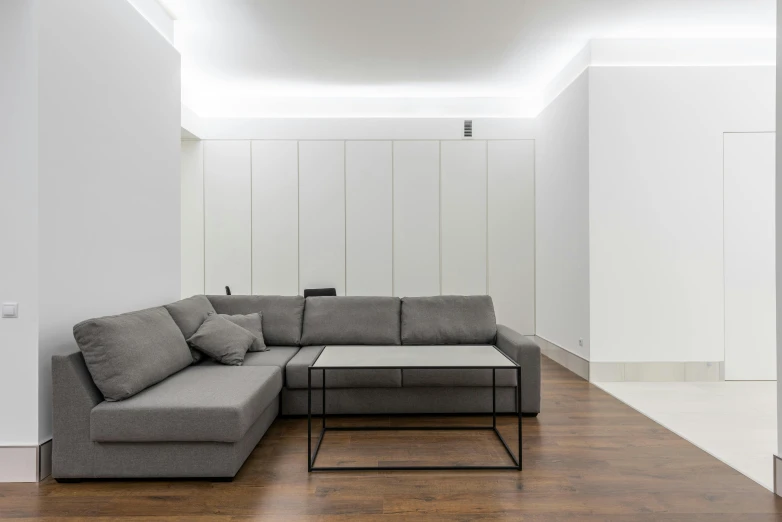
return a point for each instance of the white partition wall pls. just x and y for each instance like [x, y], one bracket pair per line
[275, 217]
[416, 218]
[192, 216]
[511, 229]
[463, 217]
[367, 217]
[322, 215]
[227, 217]
[368, 213]
[750, 280]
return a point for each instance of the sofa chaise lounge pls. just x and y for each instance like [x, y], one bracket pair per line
[204, 420]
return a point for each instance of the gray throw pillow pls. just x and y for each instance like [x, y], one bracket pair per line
[128, 353]
[254, 324]
[222, 340]
[188, 314]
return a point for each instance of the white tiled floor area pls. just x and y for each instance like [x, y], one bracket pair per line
[734, 421]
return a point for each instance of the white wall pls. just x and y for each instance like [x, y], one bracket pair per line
[656, 205]
[322, 215]
[511, 232]
[192, 218]
[463, 213]
[361, 128]
[562, 219]
[750, 289]
[365, 216]
[18, 242]
[416, 218]
[109, 186]
[778, 233]
[275, 217]
[368, 218]
[227, 216]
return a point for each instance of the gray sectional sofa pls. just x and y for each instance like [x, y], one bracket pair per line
[205, 419]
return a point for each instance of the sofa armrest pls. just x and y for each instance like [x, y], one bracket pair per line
[526, 353]
[74, 395]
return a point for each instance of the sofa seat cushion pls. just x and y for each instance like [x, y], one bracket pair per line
[296, 374]
[448, 319]
[351, 320]
[203, 403]
[457, 378]
[275, 356]
[282, 315]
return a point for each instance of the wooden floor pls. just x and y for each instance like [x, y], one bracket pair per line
[587, 457]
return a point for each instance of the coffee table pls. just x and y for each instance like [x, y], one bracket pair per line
[460, 357]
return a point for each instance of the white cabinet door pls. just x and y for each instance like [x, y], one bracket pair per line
[463, 215]
[227, 216]
[275, 217]
[750, 278]
[192, 218]
[322, 215]
[512, 233]
[368, 212]
[416, 218]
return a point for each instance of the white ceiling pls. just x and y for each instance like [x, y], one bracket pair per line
[234, 50]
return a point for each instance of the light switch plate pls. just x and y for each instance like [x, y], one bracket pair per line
[10, 310]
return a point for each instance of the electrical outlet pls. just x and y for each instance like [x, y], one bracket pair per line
[10, 310]
[581, 342]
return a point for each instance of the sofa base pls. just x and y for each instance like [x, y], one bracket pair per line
[217, 461]
[391, 401]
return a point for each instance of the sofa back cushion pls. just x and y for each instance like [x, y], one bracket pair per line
[448, 319]
[282, 315]
[189, 314]
[351, 320]
[128, 353]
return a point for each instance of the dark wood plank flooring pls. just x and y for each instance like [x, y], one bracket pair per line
[586, 457]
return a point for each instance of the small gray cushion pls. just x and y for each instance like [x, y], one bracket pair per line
[200, 404]
[188, 314]
[282, 315]
[252, 323]
[222, 340]
[275, 356]
[297, 370]
[351, 320]
[130, 352]
[448, 319]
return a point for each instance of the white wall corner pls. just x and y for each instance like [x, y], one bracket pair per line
[661, 52]
[564, 357]
[567, 75]
[778, 232]
[777, 475]
[157, 16]
[192, 124]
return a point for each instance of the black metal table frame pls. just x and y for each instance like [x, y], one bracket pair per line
[311, 456]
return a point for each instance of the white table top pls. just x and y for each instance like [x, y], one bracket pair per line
[412, 356]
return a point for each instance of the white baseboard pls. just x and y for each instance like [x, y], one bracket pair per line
[632, 371]
[25, 463]
[559, 355]
[656, 371]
